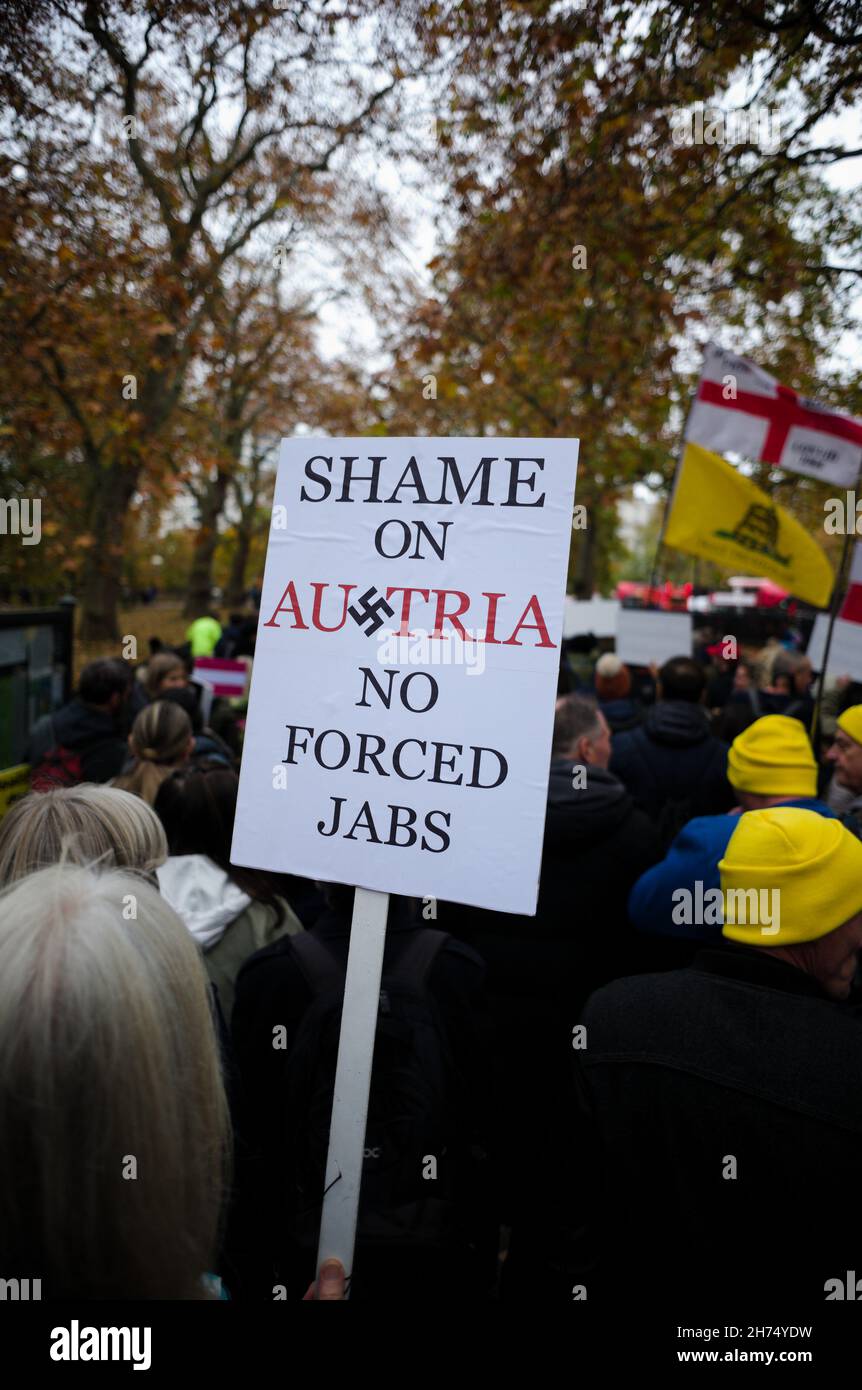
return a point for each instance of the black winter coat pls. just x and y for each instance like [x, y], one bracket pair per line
[597, 844]
[721, 1144]
[673, 765]
[94, 734]
[541, 969]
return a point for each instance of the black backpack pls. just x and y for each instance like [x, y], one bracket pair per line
[60, 767]
[423, 1179]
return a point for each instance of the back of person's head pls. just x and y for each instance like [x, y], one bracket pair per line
[736, 716]
[188, 697]
[576, 717]
[113, 1120]
[682, 678]
[786, 666]
[161, 739]
[164, 671]
[744, 675]
[102, 679]
[197, 807]
[84, 825]
[773, 757]
[613, 679]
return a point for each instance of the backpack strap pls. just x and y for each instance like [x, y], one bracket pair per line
[319, 966]
[415, 959]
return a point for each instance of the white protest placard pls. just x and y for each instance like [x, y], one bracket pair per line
[845, 651]
[595, 615]
[644, 636]
[402, 698]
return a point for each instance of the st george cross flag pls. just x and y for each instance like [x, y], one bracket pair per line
[851, 608]
[741, 409]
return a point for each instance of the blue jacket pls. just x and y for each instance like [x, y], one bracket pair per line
[693, 857]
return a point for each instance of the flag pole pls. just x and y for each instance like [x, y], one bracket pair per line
[837, 595]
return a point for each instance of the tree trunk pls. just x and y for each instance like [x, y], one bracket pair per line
[108, 500]
[239, 562]
[584, 572]
[200, 583]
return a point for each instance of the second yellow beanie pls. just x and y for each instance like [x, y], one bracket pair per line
[773, 757]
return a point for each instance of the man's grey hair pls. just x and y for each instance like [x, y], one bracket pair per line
[577, 716]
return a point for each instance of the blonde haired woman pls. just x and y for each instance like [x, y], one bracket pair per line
[84, 825]
[114, 1130]
[161, 741]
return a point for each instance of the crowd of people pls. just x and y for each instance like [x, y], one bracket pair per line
[640, 1092]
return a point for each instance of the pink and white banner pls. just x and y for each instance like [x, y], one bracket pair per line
[226, 679]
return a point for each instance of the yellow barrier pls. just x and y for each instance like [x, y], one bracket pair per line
[14, 783]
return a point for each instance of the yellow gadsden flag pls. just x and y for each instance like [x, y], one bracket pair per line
[719, 514]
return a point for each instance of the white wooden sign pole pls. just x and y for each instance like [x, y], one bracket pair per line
[353, 1079]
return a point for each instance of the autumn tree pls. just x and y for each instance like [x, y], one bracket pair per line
[254, 344]
[220, 121]
[73, 342]
[307, 390]
[588, 250]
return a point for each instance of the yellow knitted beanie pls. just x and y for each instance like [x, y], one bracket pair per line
[773, 757]
[851, 722]
[789, 875]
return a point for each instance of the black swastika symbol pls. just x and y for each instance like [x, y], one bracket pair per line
[367, 612]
